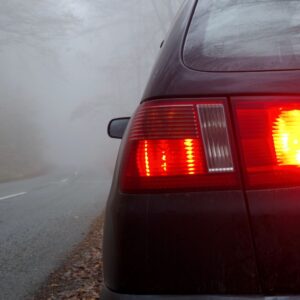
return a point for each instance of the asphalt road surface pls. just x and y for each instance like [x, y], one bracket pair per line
[41, 219]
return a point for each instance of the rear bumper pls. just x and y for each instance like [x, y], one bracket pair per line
[181, 243]
[110, 295]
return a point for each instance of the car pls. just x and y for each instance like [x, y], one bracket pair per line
[205, 200]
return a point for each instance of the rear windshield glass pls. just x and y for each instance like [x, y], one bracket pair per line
[244, 35]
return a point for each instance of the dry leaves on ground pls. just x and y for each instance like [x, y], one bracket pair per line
[81, 275]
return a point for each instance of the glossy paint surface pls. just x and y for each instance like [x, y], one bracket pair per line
[242, 242]
[172, 243]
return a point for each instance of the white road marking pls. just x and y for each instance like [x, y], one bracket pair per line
[64, 180]
[12, 196]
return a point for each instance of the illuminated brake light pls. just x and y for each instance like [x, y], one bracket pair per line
[269, 135]
[169, 157]
[170, 147]
[191, 158]
[286, 135]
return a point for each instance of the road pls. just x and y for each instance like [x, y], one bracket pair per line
[41, 219]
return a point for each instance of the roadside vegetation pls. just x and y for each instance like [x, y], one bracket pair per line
[80, 277]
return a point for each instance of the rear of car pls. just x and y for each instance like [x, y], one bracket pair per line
[205, 202]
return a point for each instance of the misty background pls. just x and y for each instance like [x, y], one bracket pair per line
[67, 68]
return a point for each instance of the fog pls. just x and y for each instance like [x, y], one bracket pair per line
[67, 68]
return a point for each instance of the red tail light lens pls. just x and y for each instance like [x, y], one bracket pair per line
[175, 145]
[269, 133]
[169, 157]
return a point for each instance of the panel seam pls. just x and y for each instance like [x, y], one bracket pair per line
[238, 150]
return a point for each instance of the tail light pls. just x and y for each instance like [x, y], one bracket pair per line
[269, 136]
[175, 146]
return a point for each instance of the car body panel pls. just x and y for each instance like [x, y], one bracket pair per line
[171, 78]
[172, 243]
[276, 225]
[203, 242]
[179, 243]
[275, 220]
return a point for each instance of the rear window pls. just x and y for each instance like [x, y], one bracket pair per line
[244, 35]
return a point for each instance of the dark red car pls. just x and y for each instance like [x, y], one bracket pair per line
[205, 202]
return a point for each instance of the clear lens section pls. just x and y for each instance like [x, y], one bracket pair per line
[215, 138]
